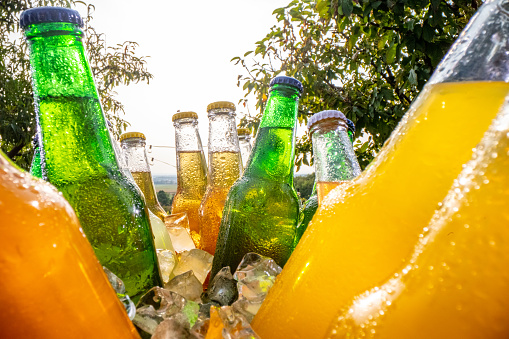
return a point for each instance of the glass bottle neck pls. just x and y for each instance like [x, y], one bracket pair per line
[69, 113]
[191, 164]
[133, 150]
[334, 156]
[273, 152]
[224, 160]
[187, 137]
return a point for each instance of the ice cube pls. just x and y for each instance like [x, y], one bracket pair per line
[255, 276]
[187, 285]
[177, 226]
[167, 261]
[147, 319]
[159, 305]
[222, 290]
[198, 261]
[235, 325]
[171, 329]
[247, 308]
[165, 303]
[116, 282]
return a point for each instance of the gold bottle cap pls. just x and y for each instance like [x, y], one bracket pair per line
[182, 115]
[132, 135]
[243, 131]
[221, 104]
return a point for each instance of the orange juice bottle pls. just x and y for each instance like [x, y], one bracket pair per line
[225, 167]
[366, 229]
[335, 161]
[456, 284]
[52, 285]
[191, 171]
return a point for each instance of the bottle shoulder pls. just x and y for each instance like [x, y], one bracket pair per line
[253, 188]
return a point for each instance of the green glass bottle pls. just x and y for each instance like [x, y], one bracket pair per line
[311, 205]
[351, 129]
[35, 167]
[76, 150]
[262, 207]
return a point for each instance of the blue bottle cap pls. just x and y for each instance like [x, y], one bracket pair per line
[40, 15]
[287, 81]
[351, 125]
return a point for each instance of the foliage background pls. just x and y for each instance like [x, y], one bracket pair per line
[366, 58]
[111, 66]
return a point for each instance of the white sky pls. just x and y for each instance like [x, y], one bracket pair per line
[190, 44]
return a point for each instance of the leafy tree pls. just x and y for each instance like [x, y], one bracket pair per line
[367, 58]
[111, 66]
[163, 198]
[304, 185]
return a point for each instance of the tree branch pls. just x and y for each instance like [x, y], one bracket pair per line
[15, 150]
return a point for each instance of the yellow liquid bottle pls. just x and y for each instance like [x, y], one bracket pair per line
[324, 187]
[456, 284]
[146, 184]
[191, 171]
[135, 156]
[366, 229]
[225, 167]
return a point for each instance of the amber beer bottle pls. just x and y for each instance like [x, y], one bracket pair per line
[133, 156]
[191, 170]
[52, 285]
[368, 227]
[335, 161]
[133, 149]
[262, 208]
[225, 166]
[244, 144]
[76, 150]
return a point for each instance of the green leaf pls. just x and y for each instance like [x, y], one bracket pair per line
[383, 40]
[347, 6]
[427, 32]
[391, 53]
[364, 147]
[412, 77]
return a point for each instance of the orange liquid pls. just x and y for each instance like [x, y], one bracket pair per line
[457, 284]
[365, 230]
[192, 182]
[52, 285]
[324, 187]
[225, 170]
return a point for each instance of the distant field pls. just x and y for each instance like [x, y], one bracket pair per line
[168, 188]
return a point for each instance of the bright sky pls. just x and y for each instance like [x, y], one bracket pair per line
[190, 44]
